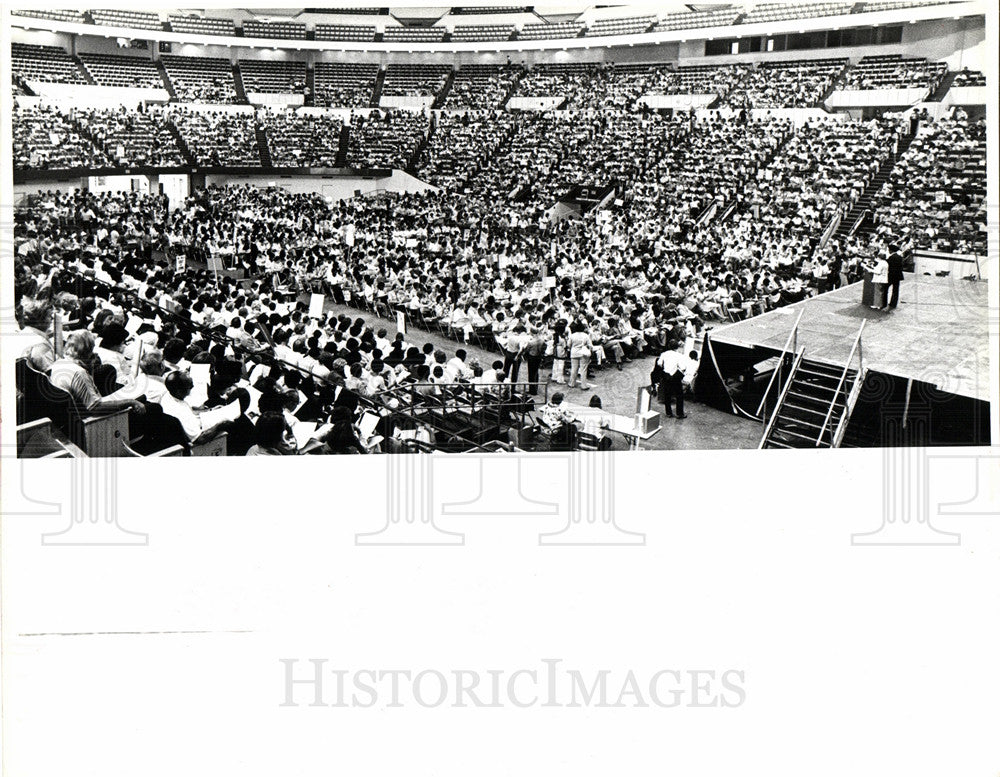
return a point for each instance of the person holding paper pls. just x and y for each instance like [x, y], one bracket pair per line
[197, 426]
[70, 373]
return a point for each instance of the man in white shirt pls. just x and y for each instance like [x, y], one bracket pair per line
[196, 426]
[673, 362]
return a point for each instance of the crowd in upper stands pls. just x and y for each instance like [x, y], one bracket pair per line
[938, 187]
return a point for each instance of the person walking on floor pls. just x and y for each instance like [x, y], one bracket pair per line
[580, 349]
[672, 363]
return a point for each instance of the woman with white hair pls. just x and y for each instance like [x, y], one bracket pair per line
[70, 374]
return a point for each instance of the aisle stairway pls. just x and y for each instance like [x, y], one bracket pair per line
[265, 152]
[938, 94]
[442, 96]
[166, 79]
[310, 94]
[377, 89]
[345, 139]
[241, 95]
[816, 393]
[864, 202]
[181, 144]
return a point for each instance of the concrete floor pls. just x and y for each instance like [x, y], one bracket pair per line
[705, 428]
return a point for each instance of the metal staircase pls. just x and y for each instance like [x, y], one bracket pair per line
[855, 219]
[815, 404]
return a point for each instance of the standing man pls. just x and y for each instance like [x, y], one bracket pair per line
[895, 273]
[673, 362]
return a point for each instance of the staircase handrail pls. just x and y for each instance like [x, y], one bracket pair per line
[792, 336]
[781, 396]
[852, 398]
[856, 348]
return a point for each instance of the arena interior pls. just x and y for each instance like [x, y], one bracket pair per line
[506, 228]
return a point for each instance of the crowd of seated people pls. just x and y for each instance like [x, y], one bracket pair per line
[344, 85]
[217, 138]
[895, 72]
[937, 189]
[966, 77]
[385, 139]
[132, 138]
[201, 79]
[301, 140]
[786, 84]
[45, 138]
[478, 87]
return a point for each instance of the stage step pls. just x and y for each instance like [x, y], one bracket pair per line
[813, 405]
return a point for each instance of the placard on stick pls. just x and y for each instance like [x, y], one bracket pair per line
[401, 322]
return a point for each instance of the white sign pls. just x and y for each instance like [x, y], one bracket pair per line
[316, 305]
[401, 322]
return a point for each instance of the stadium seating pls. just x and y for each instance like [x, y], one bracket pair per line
[893, 71]
[139, 20]
[386, 139]
[131, 138]
[777, 12]
[790, 84]
[286, 30]
[696, 19]
[201, 25]
[414, 34]
[345, 32]
[113, 70]
[632, 25]
[482, 32]
[937, 189]
[301, 140]
[285, 77]
[75, 17]
[344, 85]
[482, 86]
[216, 138]
[44, 63]
[555, 30]
[969, 78]
[425, 80]
[201, 79]
[47, 139]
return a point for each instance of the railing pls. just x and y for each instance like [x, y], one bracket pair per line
[781, 396]
[831, 227]
[793, 339]
[856, 348]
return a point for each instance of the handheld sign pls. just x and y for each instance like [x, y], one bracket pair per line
[401, 322]
[57, 333]
[316, 305]
[180, 264]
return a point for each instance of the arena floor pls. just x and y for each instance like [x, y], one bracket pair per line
[705, 428]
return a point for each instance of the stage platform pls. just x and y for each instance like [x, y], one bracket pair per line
[938, 334]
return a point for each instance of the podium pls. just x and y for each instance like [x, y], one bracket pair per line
[867, 290]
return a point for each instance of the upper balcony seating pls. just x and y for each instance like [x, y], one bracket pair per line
[547, 30]
[44, 63]
[114, 70]
[201, 25]
[695, 20]
[261, 75]
[482, 32]
[137, 20]
[253, 28]
[201, 79]
[344, 84]
[345, 32]
[414, 34]
[777, 12]
[632, 25]
[424, 80]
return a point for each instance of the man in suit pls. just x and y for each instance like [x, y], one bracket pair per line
[895, 261]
